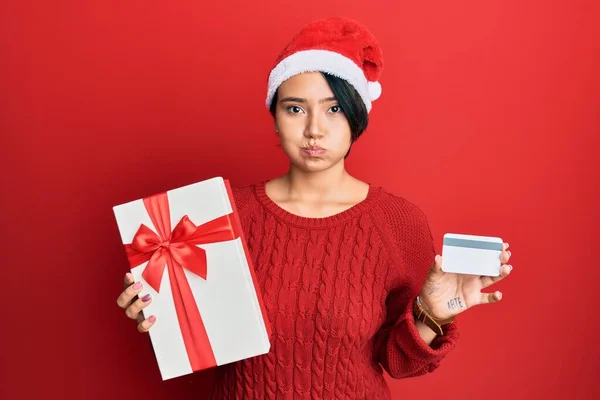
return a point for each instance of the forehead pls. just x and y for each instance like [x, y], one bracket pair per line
[307, 85]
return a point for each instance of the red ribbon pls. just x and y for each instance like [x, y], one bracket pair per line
[177, 250]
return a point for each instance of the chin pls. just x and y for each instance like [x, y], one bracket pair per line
[313, 164]
[313, 168]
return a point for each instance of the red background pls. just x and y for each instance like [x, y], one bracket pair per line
[488, 121]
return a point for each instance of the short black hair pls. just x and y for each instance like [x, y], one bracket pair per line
[350, 102]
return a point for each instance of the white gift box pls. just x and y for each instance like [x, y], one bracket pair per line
[232, 323]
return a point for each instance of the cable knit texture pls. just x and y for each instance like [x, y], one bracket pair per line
[338, 292]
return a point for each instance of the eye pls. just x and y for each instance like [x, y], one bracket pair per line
[336, 109]
[294, 109]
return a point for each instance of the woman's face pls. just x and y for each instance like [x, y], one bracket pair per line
[313, 130]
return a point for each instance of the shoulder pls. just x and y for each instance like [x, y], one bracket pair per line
[399, 214]
[406, 228]
[244, 197]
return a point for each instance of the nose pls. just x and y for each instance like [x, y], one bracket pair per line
[313, 129]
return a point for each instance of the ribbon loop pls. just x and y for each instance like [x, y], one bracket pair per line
[145, 240]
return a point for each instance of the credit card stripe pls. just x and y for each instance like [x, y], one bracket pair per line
[473, 244]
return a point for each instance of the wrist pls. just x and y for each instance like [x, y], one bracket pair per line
[424, 316]
[423, 303]
[422, 328]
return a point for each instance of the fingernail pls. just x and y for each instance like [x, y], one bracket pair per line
[146, 298]
[137, 285]
[510, 267]
[128, 276]
[509, 253]
[152, 319]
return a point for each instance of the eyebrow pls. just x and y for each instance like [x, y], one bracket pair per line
[301, 100]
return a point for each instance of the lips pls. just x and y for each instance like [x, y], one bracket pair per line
[313, 151]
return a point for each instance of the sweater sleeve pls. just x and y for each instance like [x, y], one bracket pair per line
[398, 346]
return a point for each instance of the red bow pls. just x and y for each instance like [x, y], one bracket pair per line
[179, 245]
[177, 250]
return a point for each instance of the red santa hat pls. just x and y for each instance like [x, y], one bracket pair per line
[338, 46]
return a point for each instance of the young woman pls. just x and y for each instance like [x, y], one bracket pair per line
[348, 272]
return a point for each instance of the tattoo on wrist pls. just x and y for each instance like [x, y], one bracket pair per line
[455, 303]
[432, 287]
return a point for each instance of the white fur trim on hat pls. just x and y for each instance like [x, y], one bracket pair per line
[323, 61]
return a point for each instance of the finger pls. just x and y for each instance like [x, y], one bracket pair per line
[488, 298]
[134, 310]
[437, 264]
[128, 281]
[505, 254]
[486, 281]
[126, 297]
[146, 324]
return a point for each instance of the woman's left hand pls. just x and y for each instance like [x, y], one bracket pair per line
[445, 294]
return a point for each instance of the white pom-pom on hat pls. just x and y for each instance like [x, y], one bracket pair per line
[374, 90]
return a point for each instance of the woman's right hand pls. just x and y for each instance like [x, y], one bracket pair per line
[133, 306]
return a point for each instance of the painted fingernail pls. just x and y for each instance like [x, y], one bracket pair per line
[128, 276]
[152, 319]
[137, 285]
[510, 266]
[146, 298]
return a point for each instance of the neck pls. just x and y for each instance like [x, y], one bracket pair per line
[326, 184]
